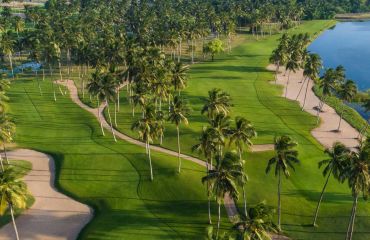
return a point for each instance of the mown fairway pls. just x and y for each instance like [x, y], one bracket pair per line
[244, 76]
[111, 177]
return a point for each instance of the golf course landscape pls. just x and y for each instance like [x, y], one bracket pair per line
[122, 163]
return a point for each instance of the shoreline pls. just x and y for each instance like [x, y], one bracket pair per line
[325, 132]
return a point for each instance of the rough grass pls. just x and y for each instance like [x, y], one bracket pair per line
[111, 177]
[244, 76]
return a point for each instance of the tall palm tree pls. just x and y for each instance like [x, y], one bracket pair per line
[358, 180]
[221, 125]
[366, 106]
[327, 84]
[178, 114]
[7, 47]
[312, 67]
[346, 92]
[334, 165]
[179, 76]
[241, 135]
[13, 194]
[223, 179]
[278, 57]
[217, 102]
[258, 225]
[7, 129]
[207, 145]
[146, 127]
[285, 157]
[292, 65]
[103, 86]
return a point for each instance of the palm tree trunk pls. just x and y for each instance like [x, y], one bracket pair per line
[110, 121]
[276, 72]
[351, 224]
[321, 197]
[150, 162]
[305, 95]
[178, 147]
[287, 83]
[118, 100]
[208, 194]
[2, 163]
[100, 120]
[279, 200]
[11, 64]
[6, 156]
[61, 77]
[300, 90]
[13, 220]
[243, 187]
[219, 219]
[52, 83]
[115, 114]
[341, 118]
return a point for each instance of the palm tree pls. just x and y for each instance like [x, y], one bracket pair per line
[223, 179]
[179, 76]
[178, 114]
[258, 225]
[221, 125]
[285, 157]
[366, 106]
[13, 192]
[7, 129]
[347, 92]
[358, 180]
[103, 86]
[278, 57]
[7, 47]
[327, 84]
[146, 127]
[292, 65]
[334, 165]
[217, 102]
[312, 67]
[241, 135]
[207, 145]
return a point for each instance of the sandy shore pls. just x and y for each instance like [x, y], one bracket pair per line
[325, 133]
[53, 216]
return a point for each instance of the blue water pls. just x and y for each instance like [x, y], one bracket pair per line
[347, 44]
[33, 66]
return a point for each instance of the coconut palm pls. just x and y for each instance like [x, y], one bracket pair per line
[217, 102]
[358, 174]
[278, 57]
[292, 65]
[366, 106]
[346, 92]
[13, 194]
[327, 84]
[258, 225]
[221, 125]
[179, 76]
[103, 86]
[312, 67]
[146, 127]
[222, 180]
[285, 157]
[241, 136]
[334, 165]
[7, 129]
[7, 47]
[178, 114]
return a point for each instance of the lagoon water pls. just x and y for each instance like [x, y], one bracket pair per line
[347, 44]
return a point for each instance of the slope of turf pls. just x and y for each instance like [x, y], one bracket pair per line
[244, 76]
[111, 177]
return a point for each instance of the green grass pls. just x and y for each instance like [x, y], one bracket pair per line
[111, 177]
[244, 76]
[21, 168]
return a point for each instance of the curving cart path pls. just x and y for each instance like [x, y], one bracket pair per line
[53, 216]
